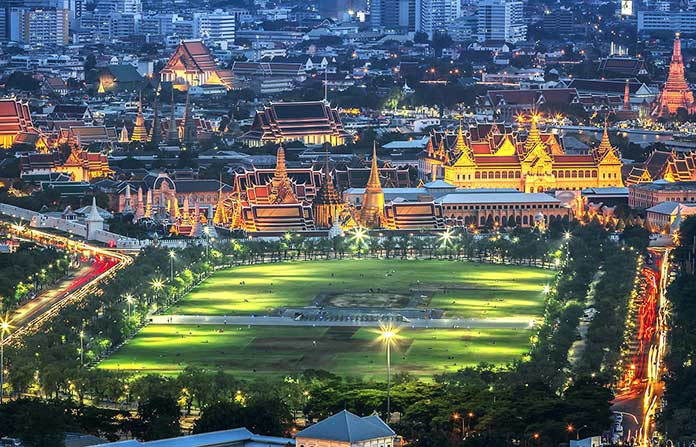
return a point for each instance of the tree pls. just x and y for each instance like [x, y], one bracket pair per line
[421, 37]
[22, 81]
[219, 416]
[158, 418]
[36, 423]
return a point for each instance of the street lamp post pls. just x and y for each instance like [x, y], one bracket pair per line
[157, 285]
[82, 347]
[129, 300]
[172, 255]
[4, 329]
[388, 337]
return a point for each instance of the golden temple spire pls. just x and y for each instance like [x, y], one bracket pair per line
[534, 136]
[220, 216]
[372, 210]
[605, 146]
[373, 181]
[139, 131]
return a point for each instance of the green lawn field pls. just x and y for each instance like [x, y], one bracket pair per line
[462, 289]
[264, 351]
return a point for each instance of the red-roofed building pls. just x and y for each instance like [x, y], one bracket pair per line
[84, 166]
[312, 122]
[487, 157]
[14, 119]
[193, 64]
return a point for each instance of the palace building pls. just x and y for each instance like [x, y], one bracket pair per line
[192, 64]
[312, 122]
[486, 156]
[676, 93]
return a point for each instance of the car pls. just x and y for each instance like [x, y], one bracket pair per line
[10, 442]
[618, 418]
[618, 428]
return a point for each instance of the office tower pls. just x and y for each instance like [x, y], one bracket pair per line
[501, 20]
[217, 25]
[434, 16]
[39, 26]
[393, 14]
[121, 6]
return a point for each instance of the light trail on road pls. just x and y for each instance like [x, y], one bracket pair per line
[37, 313]
[642, 376]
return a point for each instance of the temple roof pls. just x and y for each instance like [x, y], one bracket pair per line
[288, 120]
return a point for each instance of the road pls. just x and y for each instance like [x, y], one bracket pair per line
[32, 315]
[642, 386]
[420, 323]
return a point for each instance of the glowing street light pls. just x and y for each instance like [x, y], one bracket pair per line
[566, 235]
[157, 285]
[446, 237]
[172, 255]
[129, 300]
[82, 347]
[387, 336]
[5, 328]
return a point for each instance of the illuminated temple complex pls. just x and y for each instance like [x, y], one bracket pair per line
[676, 93]
[16, 124]
[192, 64]
[311, 122]
[670, 166]
[489, 156]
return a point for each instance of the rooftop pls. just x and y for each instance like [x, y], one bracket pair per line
[238, 437]
[347, 427]
[502, 197]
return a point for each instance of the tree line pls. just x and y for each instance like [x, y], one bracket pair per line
[532, 402]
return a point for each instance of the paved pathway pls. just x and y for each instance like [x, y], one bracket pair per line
[467, 323]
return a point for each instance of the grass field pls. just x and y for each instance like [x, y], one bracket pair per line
[277, 351]
[466, 290]
[473, 290]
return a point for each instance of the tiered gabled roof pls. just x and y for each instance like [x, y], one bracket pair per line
[652, 169]
[192, 55]
[281, 121]
[14, 119]
[681, 168]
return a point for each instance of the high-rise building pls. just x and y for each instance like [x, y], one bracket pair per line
[434, 16]
[655, 20]
[463, 28]
[558, 21]
[122, 6]
[501, 20]
[39, 27]
[393, 14]
[6, 7]
[217, 25]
